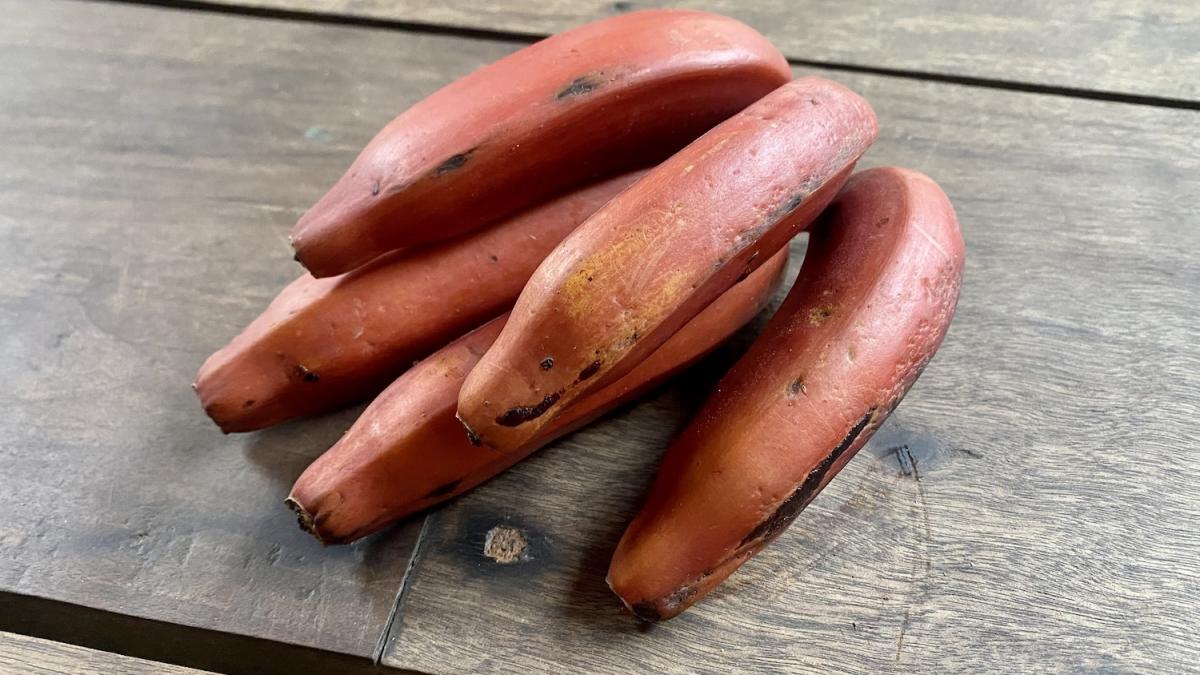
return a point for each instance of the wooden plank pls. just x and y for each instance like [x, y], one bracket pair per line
[33, 656]
[151, 164]
[179, 643]
[1032, 504]
[1130, 47]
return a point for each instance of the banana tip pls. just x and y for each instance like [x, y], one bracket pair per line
[645, 612]
[304, 518]
[295, 246]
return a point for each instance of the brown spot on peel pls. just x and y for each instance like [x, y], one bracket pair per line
[818, 315]
[522, 414]
[454, 163]
[306, 374]
[592, 369]
[797, 387]
[797, 199]
[646, 611]
[783, 516]
[649, 611]
[579, 86]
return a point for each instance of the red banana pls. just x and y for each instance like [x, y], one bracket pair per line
[607, 97]
[873, 301]
[637, 270]
[407, 452]
[325, 343]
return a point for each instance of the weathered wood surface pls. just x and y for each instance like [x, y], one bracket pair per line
[33, 656]
[1133, 47]
[151, 164]
[1031, 506]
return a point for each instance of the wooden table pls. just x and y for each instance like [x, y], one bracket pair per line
[1032, 505]
[35, 656]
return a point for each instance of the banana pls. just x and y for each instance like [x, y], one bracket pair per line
[326, 343]
[407, 452]
[873, 301]
[607, 97]
[638, 269]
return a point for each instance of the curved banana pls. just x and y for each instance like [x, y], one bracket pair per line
[873, 301]
[610, 96]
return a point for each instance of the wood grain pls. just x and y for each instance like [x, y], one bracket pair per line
[151, 164]
[33, 656]
[1032, 504]
[1133, 47]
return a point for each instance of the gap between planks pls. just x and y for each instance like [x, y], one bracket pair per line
[206, 649]
[385, 635]
[338, 19]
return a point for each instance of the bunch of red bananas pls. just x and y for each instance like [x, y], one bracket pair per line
[595, 212]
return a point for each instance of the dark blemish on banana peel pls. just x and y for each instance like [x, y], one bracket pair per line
[680, 597]
[796, 200]
[578, 87]
[522, 414]
[784, 515]
[646, 611]
[797, 387]
[454, 163]
[306, 374]
[592, 369]
[807, 187]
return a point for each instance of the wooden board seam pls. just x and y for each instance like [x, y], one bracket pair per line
[25, 654]
[164, 642]
[336, 19]
[1006, 85]
[385, 635]
[342, 19]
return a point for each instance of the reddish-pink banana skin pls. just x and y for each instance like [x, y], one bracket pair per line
[614, 95]
[873, 301]
[407, 451]
[633, 273]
